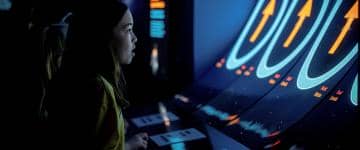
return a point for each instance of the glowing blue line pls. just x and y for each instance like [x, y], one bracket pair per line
[247, 125]
[255, 127]
[306, 82]
[211, 111]
[354, 92]
[263, 70]
[234, 62]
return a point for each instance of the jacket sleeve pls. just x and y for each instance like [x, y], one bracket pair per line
[109, 122]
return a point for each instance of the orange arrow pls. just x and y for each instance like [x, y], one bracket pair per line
[268, 11]
[351, 15]
[303, 13]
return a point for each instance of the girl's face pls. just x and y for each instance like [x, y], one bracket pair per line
[123, 42]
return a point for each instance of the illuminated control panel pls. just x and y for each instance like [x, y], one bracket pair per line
[177, 136]
[152, 119]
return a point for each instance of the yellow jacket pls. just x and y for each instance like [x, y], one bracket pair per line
[110, 125]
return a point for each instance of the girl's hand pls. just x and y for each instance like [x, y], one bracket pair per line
[139, 140]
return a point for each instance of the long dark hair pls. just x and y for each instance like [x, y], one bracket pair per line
[87, 54]
[88, 40]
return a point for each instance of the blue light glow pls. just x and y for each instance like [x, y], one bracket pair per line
[354, 92]
[5, 4]
[304, 81]
[157, 29]
[255, 127]
[211, 111]
[157, 14]
[178, 146]
[234, 62]
[263, 70]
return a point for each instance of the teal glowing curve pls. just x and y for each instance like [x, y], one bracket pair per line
[264, 70]
[354, 92]
[233, 62]
[304, 81]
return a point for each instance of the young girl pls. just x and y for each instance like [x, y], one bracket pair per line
[86, 97]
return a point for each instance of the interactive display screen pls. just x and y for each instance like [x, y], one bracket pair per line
[264, 66]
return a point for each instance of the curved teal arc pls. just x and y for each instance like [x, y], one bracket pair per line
[263, 70]
[354, 92]
[233, 62]
[304, 81]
